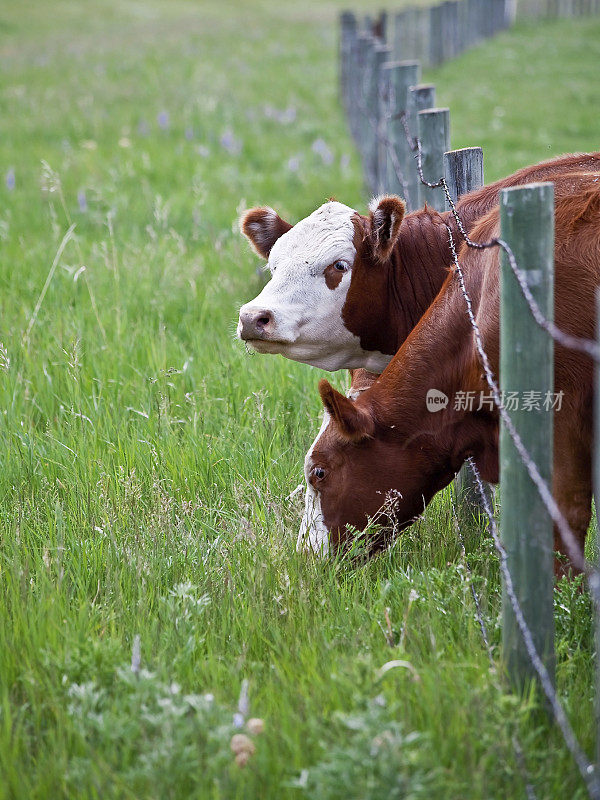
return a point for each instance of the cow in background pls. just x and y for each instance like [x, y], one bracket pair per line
[346, 289]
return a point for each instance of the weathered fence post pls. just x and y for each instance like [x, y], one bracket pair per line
[368, 112]
[380, 27]
[463, 170]
[422, 36]
[472, 28]
[434, 134]
[401, 34]
[410, 52]
[381, 54]
[419, 98]
[462, 26]
[449, 29]
[436, 37]
[347, 36]
[398, 78]
[527, 369]
[362, 45]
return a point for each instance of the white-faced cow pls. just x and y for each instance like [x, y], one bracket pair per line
[346, 289]
[387, 441]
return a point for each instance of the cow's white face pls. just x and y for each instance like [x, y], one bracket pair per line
[299, 312]
[313, 536]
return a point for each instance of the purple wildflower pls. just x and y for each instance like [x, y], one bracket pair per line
[321, 149]
[230, 143]
[10, 179]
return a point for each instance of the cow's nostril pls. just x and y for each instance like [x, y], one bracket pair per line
[255, 324]
[264, 320]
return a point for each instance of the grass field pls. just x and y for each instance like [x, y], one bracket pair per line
[147, 461]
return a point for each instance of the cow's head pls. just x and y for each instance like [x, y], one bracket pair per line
[360, 470]
[320, 267]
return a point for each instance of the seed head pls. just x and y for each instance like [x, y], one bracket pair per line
[255, 726]
[240, 743]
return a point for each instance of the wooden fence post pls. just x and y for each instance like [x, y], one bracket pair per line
[472, 28]
[398, 78]
[422, 35]
[449, 29]
[362, 45]
[434, 134]
[527, 368]
[463, 170]
[401, 34]
[410, 52]
[352, 77]
[419, 98]
[347, 36]
[436, 36]
[381, 54]
[380, 27]
[462, 23]
[482, 19]
[367, 91]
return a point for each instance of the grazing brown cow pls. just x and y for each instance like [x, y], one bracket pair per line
[346, 289]
[387, 441]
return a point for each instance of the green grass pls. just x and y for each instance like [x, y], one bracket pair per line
[146, 461]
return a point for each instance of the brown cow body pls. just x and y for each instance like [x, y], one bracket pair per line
[347, 289]
[386, 300]
[387, 441]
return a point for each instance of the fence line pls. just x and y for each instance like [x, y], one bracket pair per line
[585, 766]
[389, 149]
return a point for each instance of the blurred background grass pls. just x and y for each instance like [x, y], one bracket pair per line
[146, 461]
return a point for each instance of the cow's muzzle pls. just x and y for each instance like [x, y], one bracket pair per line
[255, 323]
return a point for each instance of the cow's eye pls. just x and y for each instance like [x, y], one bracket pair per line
[341, 266]
[318, 473]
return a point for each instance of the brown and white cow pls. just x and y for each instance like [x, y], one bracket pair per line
[346, 289]
[387, 441]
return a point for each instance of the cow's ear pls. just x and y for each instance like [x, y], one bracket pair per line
[353, 422]
[387, 213]
[262, 227]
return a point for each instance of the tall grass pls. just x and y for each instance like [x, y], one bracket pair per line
[147, 462]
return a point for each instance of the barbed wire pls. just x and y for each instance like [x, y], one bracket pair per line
[587, 346]
[577, 557]
[566, 534]
[585, 766]
[584, 345]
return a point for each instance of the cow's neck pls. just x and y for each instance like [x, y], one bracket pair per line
[418, 268]
[449, 365]
[386, 301]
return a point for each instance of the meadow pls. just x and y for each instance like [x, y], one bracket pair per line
[148, 463]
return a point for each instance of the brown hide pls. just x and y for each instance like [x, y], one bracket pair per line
[414, 453]
[387, 298]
